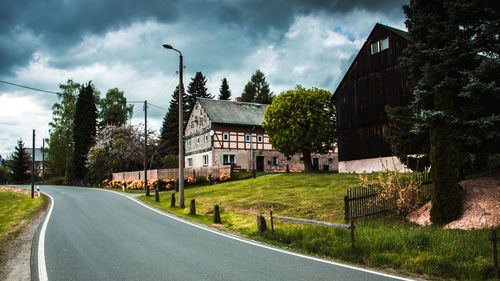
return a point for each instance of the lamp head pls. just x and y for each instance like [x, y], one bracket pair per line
[167, 46]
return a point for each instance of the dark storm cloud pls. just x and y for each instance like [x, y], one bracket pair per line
[54, 26]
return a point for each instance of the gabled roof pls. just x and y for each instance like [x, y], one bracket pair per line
[234, 113]
[403, 34]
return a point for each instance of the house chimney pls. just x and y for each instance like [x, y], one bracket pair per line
[237, 99]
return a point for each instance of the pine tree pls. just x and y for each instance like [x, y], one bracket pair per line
[169, 132]
[20, 163]
[453, 60]
[84, 130]
[196, 89]
[257, 89]
[224, 92]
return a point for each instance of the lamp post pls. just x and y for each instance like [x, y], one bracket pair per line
[181, 130]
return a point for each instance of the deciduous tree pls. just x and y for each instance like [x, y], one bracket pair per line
[302, 121]
[114, 109]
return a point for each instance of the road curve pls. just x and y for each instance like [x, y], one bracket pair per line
[92, 234]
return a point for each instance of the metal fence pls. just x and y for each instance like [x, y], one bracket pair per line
[364, 201]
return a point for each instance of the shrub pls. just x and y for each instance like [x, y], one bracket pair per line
[397, 189]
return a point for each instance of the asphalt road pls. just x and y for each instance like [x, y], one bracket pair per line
[97, 235]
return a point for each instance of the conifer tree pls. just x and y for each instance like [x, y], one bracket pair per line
[84, 130]
[224, 92]
[454, 61]
[257, 89]
[196, 89]
[169, 131]
[20, 163]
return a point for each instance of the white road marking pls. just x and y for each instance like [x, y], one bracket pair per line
[257, 244]
[42, 267]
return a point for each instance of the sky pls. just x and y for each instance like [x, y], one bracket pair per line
[118, 44]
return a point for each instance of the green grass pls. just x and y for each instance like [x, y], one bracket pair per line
[385, 243]
[16, 212]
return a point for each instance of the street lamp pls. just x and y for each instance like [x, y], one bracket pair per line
[181, 129]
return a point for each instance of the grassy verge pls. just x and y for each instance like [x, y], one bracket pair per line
[17, 210]
[384, 243]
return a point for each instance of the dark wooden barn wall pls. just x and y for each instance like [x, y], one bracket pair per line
[373, 82]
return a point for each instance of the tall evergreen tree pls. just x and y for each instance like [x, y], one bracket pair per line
[20, 163]
[114, 109]
[169, 131]
[454, 62]
[84, 130]
[257, 89]
[196, 89]
[224, 92]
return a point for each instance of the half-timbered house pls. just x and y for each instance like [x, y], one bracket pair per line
[230, 132]
[373, 81]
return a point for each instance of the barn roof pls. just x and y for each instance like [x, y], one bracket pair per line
[234, 113]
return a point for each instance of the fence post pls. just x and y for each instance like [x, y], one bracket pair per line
[494, 240]
[261, 224]
[352, 233]
[172, 201]
[346, 209]
[271, 218]
[217, 214]
[192, 207]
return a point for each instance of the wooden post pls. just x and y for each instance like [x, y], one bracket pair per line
[271, 218]
[172, 201]
[287, 168]
[346, 209]
[217, 214]
[494, 240]
[261, 224]
[192, 207]
[352, 234]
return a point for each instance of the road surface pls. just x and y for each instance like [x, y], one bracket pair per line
[92, 234]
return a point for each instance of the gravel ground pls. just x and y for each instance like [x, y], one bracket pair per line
[17, 267]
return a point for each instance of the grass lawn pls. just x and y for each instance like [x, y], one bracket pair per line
[16, 212]
[385, 243]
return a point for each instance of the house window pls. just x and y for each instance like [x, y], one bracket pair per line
[189, 143]
[190, 162]
[375, 48]
[206, 137]
[247, 138]
[275, 160]
[330, 160]
[259, 138]
[384, 44]
[225, 136]
[198, 140]
[205, 159]
[289, 158]
[228, 159]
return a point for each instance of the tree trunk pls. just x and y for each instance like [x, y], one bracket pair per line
[306, 156]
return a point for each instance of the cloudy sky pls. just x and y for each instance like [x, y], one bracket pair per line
[119, 44]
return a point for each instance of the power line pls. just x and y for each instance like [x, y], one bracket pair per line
[157, 106]
[27, 87]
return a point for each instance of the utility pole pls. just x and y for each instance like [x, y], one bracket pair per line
[33, 169]
[146, 147]
[181, 129]
[43, 161]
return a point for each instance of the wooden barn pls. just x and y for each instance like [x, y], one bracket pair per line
[373, 81]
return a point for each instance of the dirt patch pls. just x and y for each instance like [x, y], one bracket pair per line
[481, 206]
[19, 190]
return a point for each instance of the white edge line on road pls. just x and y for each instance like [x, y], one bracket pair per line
[257, 244]
[42, 267]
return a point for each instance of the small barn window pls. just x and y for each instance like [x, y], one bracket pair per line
[205, 159]
[190, 162]
[275, 160]
[259, 138]
[384, 44]
[375, 48]
[247, 138]
[198, 140]
[206, 137]
[225, 136]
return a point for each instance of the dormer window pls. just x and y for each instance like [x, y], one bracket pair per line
[380, 45]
